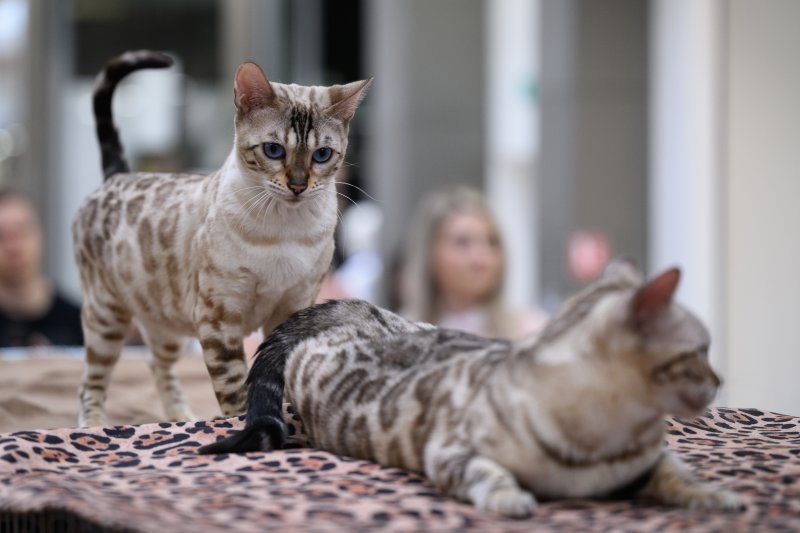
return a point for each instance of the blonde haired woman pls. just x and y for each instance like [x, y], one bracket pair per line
[454, 268]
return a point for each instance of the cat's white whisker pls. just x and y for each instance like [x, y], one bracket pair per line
[253, 199]
[253, 203]
[267, 204]
[365, 193]
[343, 234]
[259, 207]
[348, 198]
[248, 188]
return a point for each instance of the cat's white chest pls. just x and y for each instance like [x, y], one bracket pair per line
[283, 265]
[280, 275]
[280, 251]
[269, 266]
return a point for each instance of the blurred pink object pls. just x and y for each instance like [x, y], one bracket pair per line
[331, 289]
[587, 255]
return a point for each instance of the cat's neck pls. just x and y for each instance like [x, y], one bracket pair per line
[575, 414]
[561, 375]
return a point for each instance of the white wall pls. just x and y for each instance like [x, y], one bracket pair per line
[725, 183]
[685, 156]
[763, 204]
[592, 163]
[512, 138]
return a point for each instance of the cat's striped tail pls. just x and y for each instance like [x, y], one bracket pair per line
[114, 161]
[265, 429]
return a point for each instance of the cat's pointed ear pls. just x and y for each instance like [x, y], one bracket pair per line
[623, 269]
[345, 99]
[251, 88]
[655, 296]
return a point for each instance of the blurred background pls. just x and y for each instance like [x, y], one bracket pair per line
[666, 130]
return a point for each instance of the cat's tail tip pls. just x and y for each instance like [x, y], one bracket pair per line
[122, 65]
[144, 59]
[263, 434]
[113, 159]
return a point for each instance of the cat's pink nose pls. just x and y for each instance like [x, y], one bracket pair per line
[297, 189]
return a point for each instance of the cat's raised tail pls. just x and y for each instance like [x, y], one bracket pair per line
[114, 161]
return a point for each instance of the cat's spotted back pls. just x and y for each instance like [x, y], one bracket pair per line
[575, 412]
[212, 257]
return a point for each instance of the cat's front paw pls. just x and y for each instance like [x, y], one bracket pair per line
[91, 420]
[509, 501]
[710, 499]
[671, 485]
[181, 415]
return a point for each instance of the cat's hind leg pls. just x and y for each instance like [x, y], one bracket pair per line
[670, 484]
[165, 350]
[104, 330]
[480, 480]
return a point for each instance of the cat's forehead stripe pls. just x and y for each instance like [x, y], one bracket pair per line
[301, 121]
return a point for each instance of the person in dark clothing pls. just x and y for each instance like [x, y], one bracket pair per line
[32, 312]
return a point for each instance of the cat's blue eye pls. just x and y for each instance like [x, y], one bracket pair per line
[321, 155]
[274, 150]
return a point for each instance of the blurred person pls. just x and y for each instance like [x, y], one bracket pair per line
[452, 275]
[32, 312]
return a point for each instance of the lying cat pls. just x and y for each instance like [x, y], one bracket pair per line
[575, 412]
[212, 257]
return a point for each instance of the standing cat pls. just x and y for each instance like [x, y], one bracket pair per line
[216, 256]
[574, 412]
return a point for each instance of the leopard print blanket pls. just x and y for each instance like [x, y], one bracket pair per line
[149, 478]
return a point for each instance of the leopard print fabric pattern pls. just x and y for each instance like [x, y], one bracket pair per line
[150, 478]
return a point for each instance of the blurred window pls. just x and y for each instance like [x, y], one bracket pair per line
[190, 28]
[13, 35]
